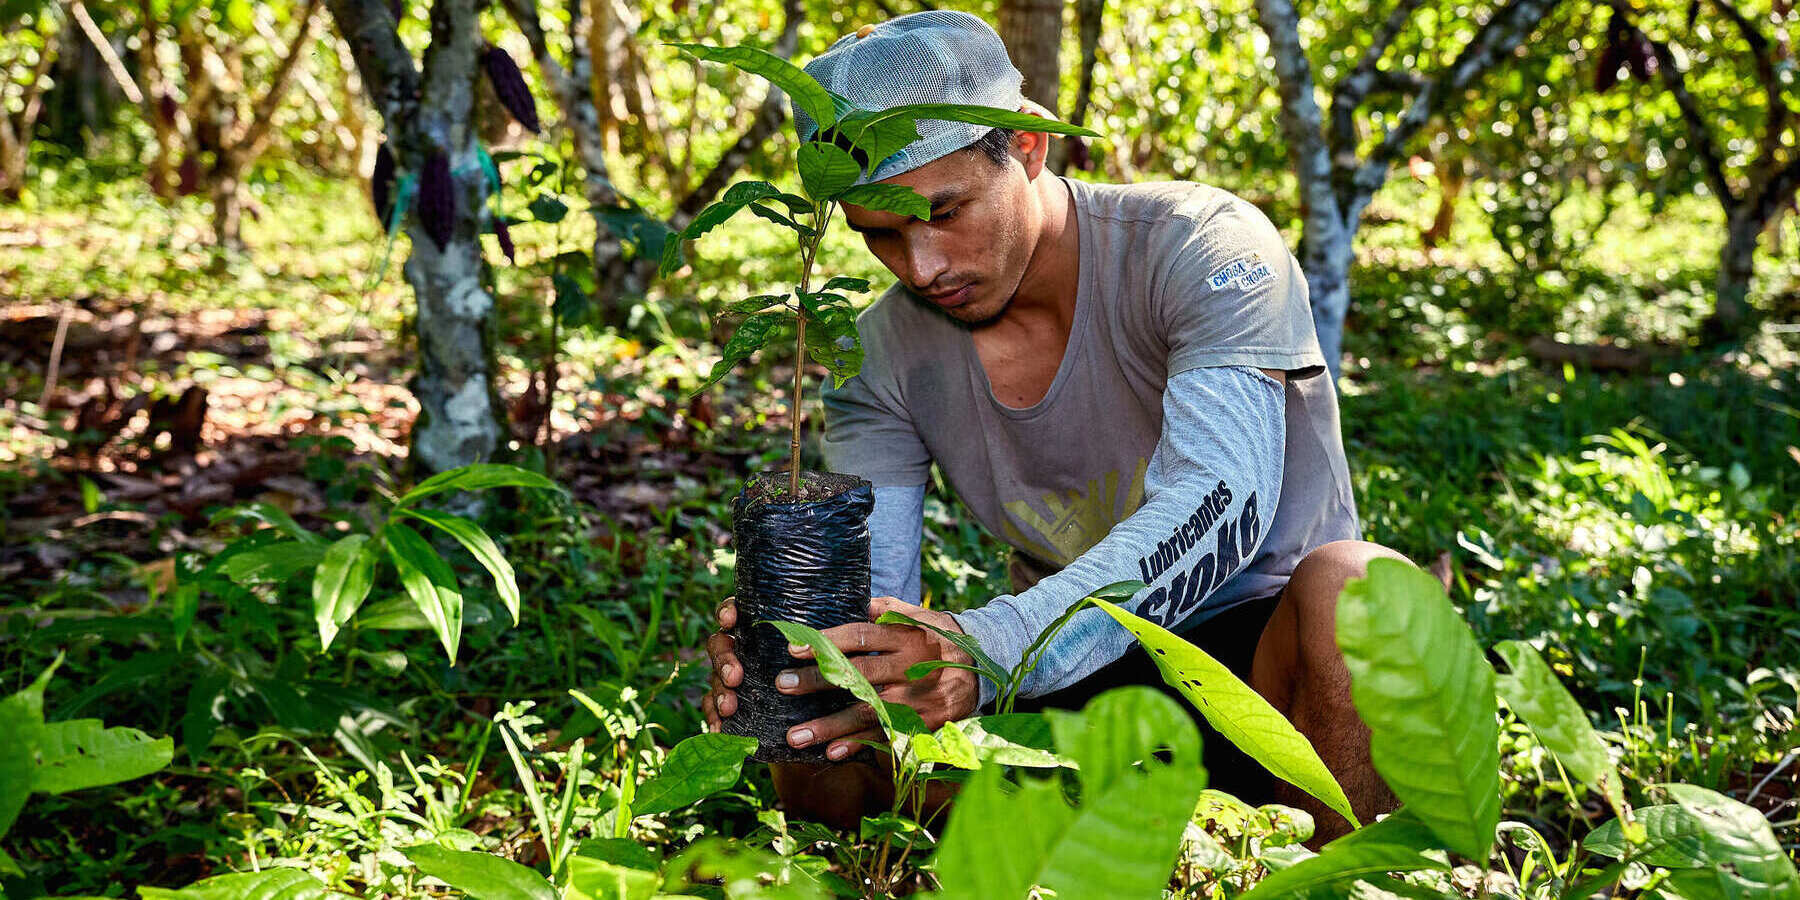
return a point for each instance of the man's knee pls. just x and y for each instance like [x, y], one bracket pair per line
[1321, 575]
[1299, 646]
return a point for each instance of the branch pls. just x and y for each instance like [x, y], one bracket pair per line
[1765, 201]
[1778, 111]
[1496, 39]
[1351, 91]
[1712, 162]
[262, 117]
[769, 117]
[387, 69]
[114, 65]
[1300, 118]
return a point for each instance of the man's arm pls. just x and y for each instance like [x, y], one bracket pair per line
[895, 534]
[1210, 492]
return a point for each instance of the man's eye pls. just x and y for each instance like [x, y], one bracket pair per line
[947, 214]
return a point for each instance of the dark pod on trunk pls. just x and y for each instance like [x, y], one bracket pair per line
[799, 559]
[504, 236]
[509, 86]
[381, 185]
[437, 199]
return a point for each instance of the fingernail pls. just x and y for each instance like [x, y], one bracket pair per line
[838, 751]
[787, 680]
[800, 737]
[796, 649]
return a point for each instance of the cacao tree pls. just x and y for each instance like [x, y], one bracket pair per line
[1745, 143]
[1343, 150]
[441, 182]
[30, 48]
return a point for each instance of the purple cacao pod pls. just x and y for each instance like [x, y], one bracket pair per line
[168, 109]
[509, 86]
[504, 236]
[381, 185]
[437, 199]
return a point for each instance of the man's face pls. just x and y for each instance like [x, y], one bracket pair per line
[969, 258]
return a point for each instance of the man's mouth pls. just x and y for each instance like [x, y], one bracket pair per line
[952, 298]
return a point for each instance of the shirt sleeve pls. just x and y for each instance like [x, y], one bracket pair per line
[1235, 296]
[868, 432]
[1209, 494]
[896, 532]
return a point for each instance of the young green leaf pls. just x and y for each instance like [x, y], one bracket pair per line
[838, 349]
[482, 876]
[1744, 858]
[876, 139]
[894, 198]
[1394, 844]
[571, 304]
[1121, 728]
[269, 884]
[1421, 683]
[715, 214]
[746, 340]
[857, 127]
[1014, 739]
[846, 283]
[82, 753]
[428, 581]
[697, 768]
[763, 212]
[341, 583]
[1236, 710]
[826, 170]
[597, 879]
[1536, 697]
[756, 304]
[1673, 838]
[480, 546]
[837, 668]
[278, 561]
[806, 91]
[476, 477]
[948, 746]
[21, 729]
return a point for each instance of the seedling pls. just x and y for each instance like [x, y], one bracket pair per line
[849, 143]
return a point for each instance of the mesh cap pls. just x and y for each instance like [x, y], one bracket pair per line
[938, 56]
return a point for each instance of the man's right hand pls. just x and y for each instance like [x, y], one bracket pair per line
[727, 672]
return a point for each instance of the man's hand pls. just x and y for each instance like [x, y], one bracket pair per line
[882, 653]
[727, 672]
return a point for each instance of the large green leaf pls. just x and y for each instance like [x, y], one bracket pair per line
[696, 769]
[879, 130]
[274, 562]
[1014, 739]
[1673, 838]
[1394, 844]
[596, 879]
[428, 581]
[749, 337]
[476, 477]
[1531, 690]
[269, 884]
[1236, 710]
[483, 876]
[735, 198]
[837, 668]
[826, 169]
[21, 729]
[1120, 842]
[1121, 728]
[1420, 682]
[480, 546]
[341, 583]
[877, 139]
[1744, 859]
[894, 198]
[82, 753]
[832, 341]
[402, 614]
[806, 91]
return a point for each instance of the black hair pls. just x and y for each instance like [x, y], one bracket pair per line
[996, 145]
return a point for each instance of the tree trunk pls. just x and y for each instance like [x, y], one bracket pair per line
[426, 113]
[1737, 264]
[228, 203]
[1326, 256]
[1089, 14]
[1032, 32]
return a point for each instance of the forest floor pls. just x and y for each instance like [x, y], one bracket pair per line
[1642, 527]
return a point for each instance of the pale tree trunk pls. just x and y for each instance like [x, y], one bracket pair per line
[1336, 178]
[425, 113]
[1089, 14]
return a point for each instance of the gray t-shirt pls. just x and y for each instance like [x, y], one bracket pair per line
[1173, 277]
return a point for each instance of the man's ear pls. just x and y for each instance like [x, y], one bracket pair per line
[1032, 147]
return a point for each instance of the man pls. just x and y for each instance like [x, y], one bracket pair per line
[1122, 382]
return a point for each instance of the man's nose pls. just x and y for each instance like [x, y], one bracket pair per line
[926, 261]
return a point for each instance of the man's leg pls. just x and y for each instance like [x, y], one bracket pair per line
[1301, 672]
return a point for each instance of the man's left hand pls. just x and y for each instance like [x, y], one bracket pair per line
[883, 653]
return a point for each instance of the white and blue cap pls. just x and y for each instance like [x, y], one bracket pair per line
[937, 56]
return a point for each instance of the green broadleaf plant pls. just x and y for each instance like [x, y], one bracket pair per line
[849, 144]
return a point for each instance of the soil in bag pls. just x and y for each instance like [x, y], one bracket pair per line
[799, 559]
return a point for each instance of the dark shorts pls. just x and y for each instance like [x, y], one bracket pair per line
[1231, 638]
